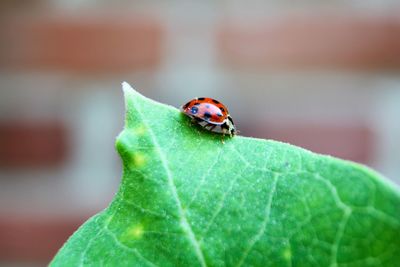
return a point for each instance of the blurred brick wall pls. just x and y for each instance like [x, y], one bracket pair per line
[323, 79]
[80, 43]
[332, 40]
[27, 239]
[24, 144]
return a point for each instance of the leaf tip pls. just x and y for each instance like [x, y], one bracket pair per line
[130, 91]
[127, 88]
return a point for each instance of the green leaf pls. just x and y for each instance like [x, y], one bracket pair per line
[188, 199]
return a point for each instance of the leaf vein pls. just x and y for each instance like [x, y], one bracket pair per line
[264, 224]
[183, 220]
[89, 243]
[125, 247]
[346, 215]
[135, 206]
[220, 206]
[203, 178]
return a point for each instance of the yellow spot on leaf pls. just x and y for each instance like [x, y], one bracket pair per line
[140, 130]
[108, 219]
[138, 159]
[136, 231]
[287, 254]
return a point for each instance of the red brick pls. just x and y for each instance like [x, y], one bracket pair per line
[88, 43]
[351, 142]
[32, 144]
[34, 239]
[316, 40]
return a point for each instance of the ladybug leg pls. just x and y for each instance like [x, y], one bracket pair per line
[197, 120]
[212, 126]
[223, 136]
[194, 121]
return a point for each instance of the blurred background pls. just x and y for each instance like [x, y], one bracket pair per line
[323, 75]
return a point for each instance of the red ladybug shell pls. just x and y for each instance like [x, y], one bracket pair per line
[211, 114]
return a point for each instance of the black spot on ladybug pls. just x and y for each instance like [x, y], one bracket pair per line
[194, 110]
[200, 98]
[215, 101]
[207, 115]
[222, 109]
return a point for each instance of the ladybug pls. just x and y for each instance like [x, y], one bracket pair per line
[210, 114]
